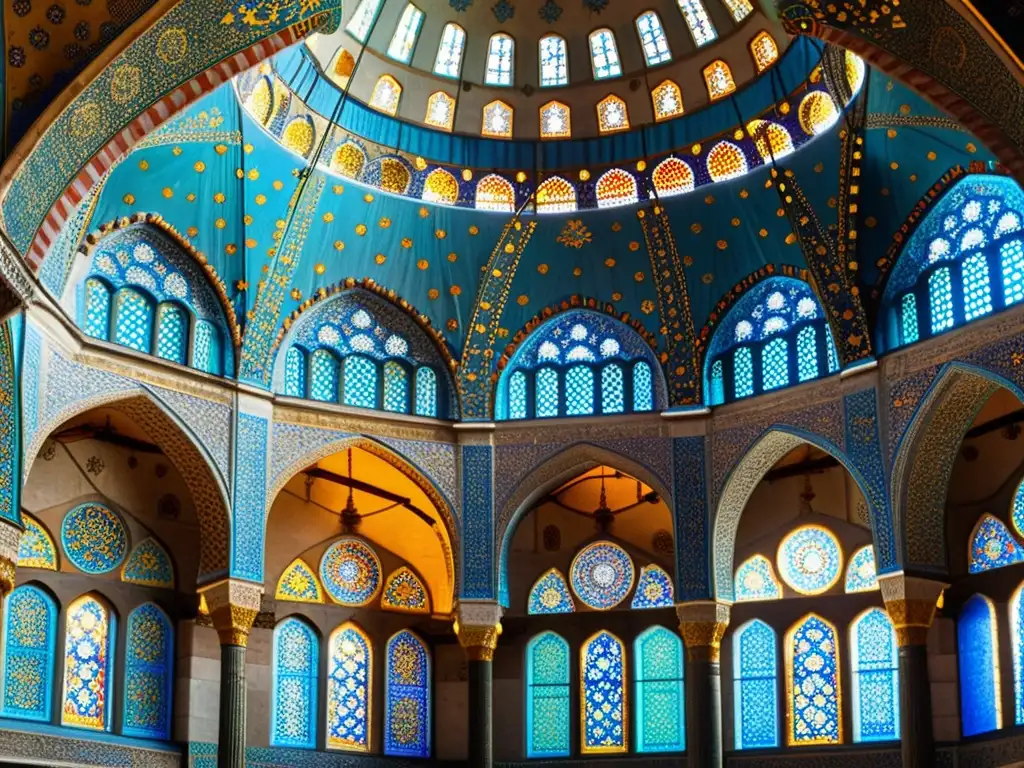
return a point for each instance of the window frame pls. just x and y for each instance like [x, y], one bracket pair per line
[559, 82]
[500, 35]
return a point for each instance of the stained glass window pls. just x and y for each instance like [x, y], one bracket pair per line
[612, 394]
[547, 392]
[517, 395]
[323, 376]
[295, 372]
[206, 350]
[697, 20]
[643, 390]
[426, 391]
[755, 580]
[977, 292]
[718, 79]
[579, 391]
[668, 102]
[88, 651]
[764, 50]
[672, 176]
[550, 594]
[660, 696]
[739, 9]
[350, 690]
[299, 135]
[830, 351]
[992, 546]
[298, 583]
[755, 692]
[449, 52]
[440, 111]
[30, 636]
[726, 161]
[772, 140]
[404, 39]
[604, 54]
[440, 187]
[555, 120]
[362, 20]
[908, 319]
[36, 548]
[612, 114]
[404, 592]
[876, 689]
[493, 193]
[386, 94]
[133, 321]
[817, 113]
[1017, 639]
[396, 388]
[294, 698]
[601, 575]
[548, 720]
[554, 61]
[360, 382]
[497, 120]
[97, 309]
[743, 373]
[1011, 261]
[775, 364]
[652, 38]
[555, 195]
[860, 573]
[407, 689]
[813, 687]
[810, 559]
[978, 655]
[171, 333]
[717, 388]
[149, 673]
[348, 160]
[807, 353]
[500, 55]
[653, 589]
[603, 694]
[616, 187]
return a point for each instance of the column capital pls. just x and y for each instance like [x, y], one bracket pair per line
[702, 624]
[10, 538]
[910, 601]
[478, 626]
[233, 606]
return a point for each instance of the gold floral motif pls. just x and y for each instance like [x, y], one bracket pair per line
[575, 234]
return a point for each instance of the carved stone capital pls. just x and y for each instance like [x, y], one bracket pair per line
[10, 537]
[233, 606]
[910, 601]
[702, 624]
[478, 628]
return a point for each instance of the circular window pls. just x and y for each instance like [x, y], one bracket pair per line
[810, 560]
[350, 572]
[94, 538]
[601, 575]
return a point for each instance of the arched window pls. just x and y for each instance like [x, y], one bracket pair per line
[1017, 638]
[497, 119]
[604, 54]
[97, 309]
[360, 382]
[660, 698]
[30, 637]
[616, 187]
[992, 546]
[775, 335]
[323, 376]
[578, 363]
[386, 94]
[696, 17]
[207, 352]
[88, 664]
[405, 593]
[295, 372]
[812, 668]
[36, 548]
[294, 698]
[603, 697]
[860, 573]
[441, 187]
[299, 135]
[739, 9]
[404, 40]
[556, 195]
[555, 120]
[349, 160]
[362, 20]
[396, 387]
[133, 320]
[426, 392]
[978, 654]
[653, 589]
[718, 79]
[550, 594]
[764, 50]
[672, 176]
[407, 693]
[440, 111]
[548, 702]
[493, 193]
[817, 113]
[652, 38]
[876, 687]
[772, 140]
[755, 690]
[500, 60]
[148, 673]
[299, 584]
[449, 52]
[944, 276]
[612, 114]
[171, 333]
[554, 61]
[726, 161]
[755, 580]
[668, 102]
[350, 689]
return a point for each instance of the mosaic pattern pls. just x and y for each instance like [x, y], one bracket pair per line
[149, 674]
[755, 580]
[861, 575]
[601, 575]
[30, 637]
[250, 498]
[478, 526]
[660, 691]
[403, 591]
[350, 572]
[36, 548]
[992, 546]
[10, 493]
[293, 705]
[978, 656]
[88, 651]
[94, 539]
[653, 589]
[812, 683]
[299, 584]
[407, 700]
[548, 704]
[810, 560]
[149, 565]
[550, 594]
[349, 682]
[876, 688]
[755, 688]
[603, 695]
[1016, 615]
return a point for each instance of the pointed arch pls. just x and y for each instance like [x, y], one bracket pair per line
[981, 707]
[555, 195]
[404, 592]
[755, 688]
[299, 135]
[349, 688]
[149, 673]
[407, 704]
[441, 187]
[755, 580]
[299, 584]
[874, 662]
[149, 565]
[440, 111]
[813, 683]
[672, 176]
[497, 119]
[89, 653]
[555, 120]
[991, 545]
[602, 685]
[659, 663]
[616, 187]
[612, 114]
[550, 594]
[548, 719]
[294, 672]
[29, 648]
[667, 98]
[494, 193]
[719, 80]
[36, 548]
[653, 588]
[861, 572]
[386, 95]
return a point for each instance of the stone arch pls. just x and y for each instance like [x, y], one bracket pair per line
[554, 471]
[745, 476]
[924, 455]
[186, 453]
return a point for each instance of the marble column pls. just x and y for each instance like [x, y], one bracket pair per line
[233, 606]
[911, 603]
[478, 627]
[702, 625]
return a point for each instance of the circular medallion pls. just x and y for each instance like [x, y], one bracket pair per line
[94, 538]
[172, 45]
[601, 575]
[810, 559]
[350, 572]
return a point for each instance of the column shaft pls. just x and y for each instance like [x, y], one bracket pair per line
[231, 728]
[481, 727]
[703, 714]
[916, 735]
